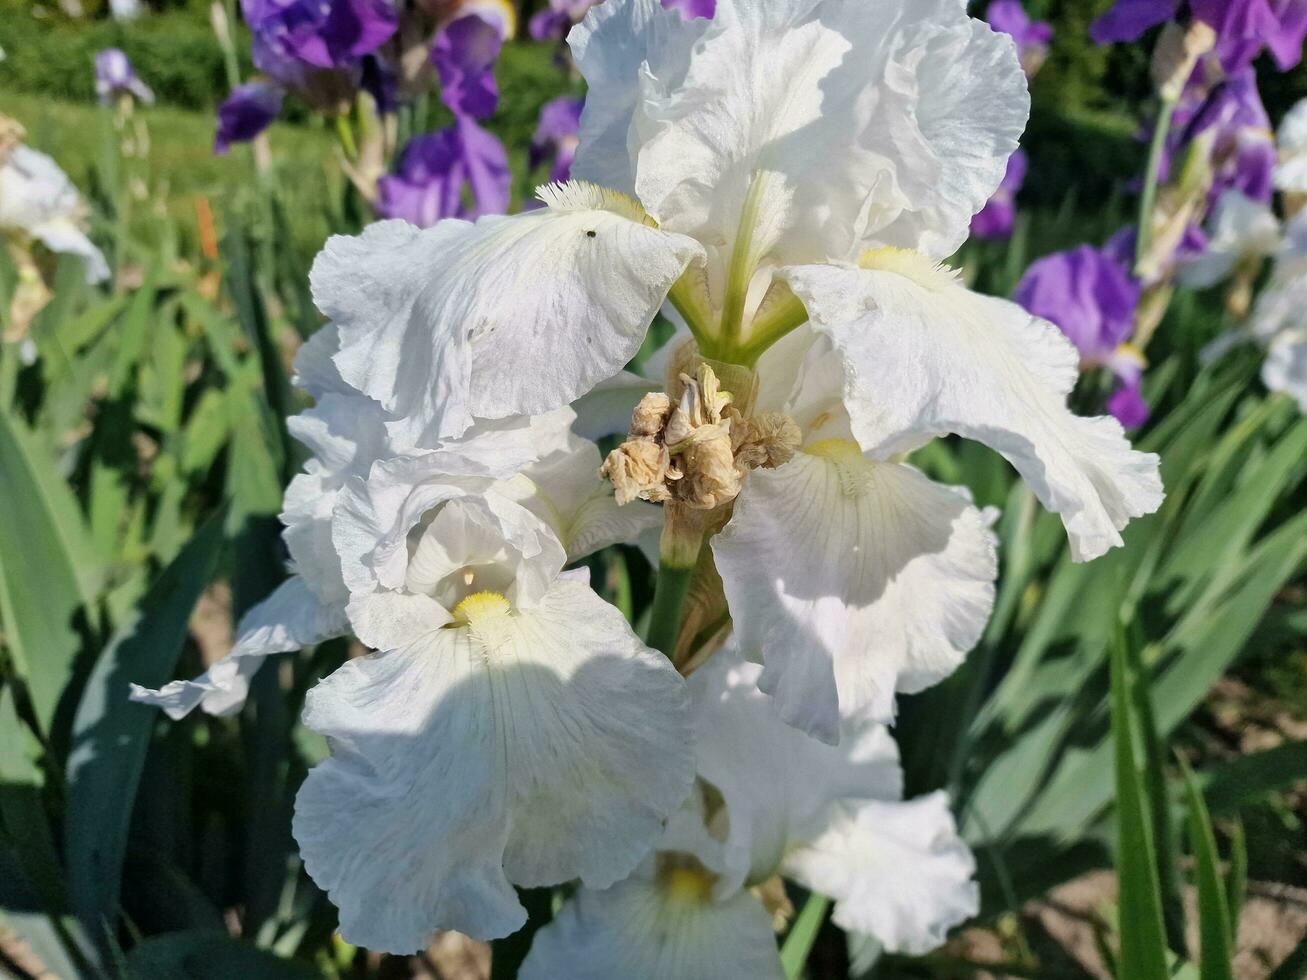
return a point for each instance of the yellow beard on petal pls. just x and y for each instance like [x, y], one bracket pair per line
[479, 607]
[921, 269]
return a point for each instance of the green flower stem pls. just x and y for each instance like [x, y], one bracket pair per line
[1152, 177]
[345, 133]
[678, 553]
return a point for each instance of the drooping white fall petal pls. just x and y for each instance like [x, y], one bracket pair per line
[778, 786]
[924, 357]
[522, 739]
[897, 871]
[290, 619]
[344, 434]
[659, 924]
[509, 316]
[852, 579]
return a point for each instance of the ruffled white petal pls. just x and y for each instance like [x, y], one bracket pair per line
[36, 197]
[1285, 369]
[622, 48]
[778, 785]
[565, 490]
[924, 356]
[1291, 173]
[372, 518]
[897, 871]
[345, 434]
[852, 579]
[641, 930]
[1241, 229]
[512, 315]
[816, 128]
[62, 235]
[290, 619]
[528, 747]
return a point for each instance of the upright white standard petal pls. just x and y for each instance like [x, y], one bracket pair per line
[924, 356]
[1242, 230]
[800, 132]
[510, 744]
[508, 316]
[897, 871]
[38, 199]
[852, 579]
[564, 489]
[623, 49]
[662, 923]
[1291, 139]
[778, 786]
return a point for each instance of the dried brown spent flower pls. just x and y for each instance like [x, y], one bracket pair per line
[695, 446]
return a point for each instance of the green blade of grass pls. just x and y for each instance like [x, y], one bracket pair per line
[798, 944]
[1213, 913]
[1143, 941]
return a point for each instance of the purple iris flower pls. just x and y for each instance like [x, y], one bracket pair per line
[248, 111]
[1032, 37]
[1243, 27]
[556, 135]
[1120, 248]
[459, 172]
[1092, 298]
[114, 76]
[996, 219]
[1243, 151]
[325, 34]
[464, 55]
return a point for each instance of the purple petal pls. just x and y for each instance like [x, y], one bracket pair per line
[248, 111]
[549, 25]
[115, 76]
[1128, 406]
[692, 9]
[556, 134]
[438, 173]
[1128, 20]
[464, 55]
[996, 219]
[1087, 294]
[1286, 42]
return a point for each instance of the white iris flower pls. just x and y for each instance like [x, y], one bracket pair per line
[772, 801]
[789, 176]
[38, 200]
[513, 731]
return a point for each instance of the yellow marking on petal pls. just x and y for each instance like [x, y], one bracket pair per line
[854, 471]
[581, 195]
[479, 607]
[689, 884]
[921, 269]
[1129, 350]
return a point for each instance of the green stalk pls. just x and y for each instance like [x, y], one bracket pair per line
[803, 934]
[1152, 178]
[669, 596]
[678, 553]
[346, 136]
